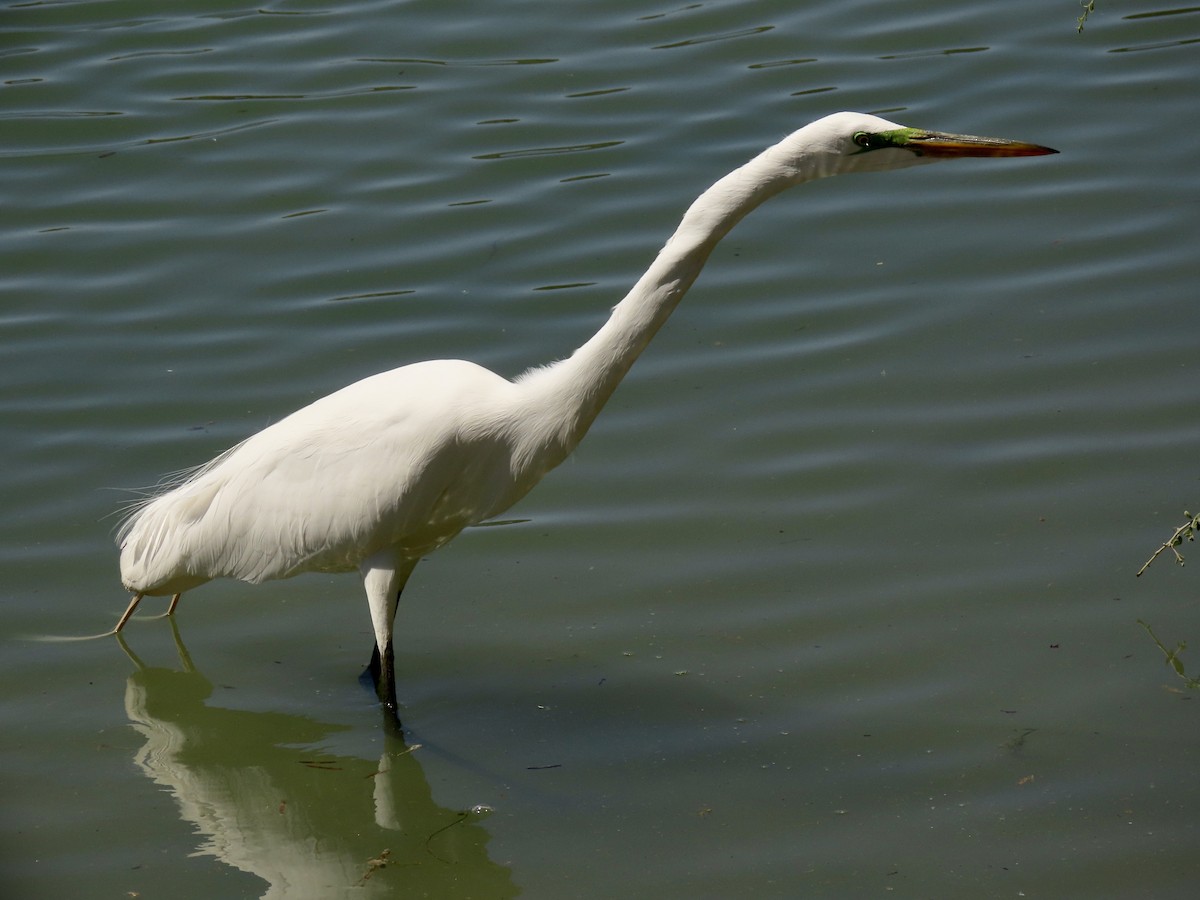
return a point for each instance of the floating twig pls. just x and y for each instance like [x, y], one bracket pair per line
[1187, 530]
[1089, 7]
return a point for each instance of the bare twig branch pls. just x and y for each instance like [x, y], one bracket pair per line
[1187, 530]
[1089, 7]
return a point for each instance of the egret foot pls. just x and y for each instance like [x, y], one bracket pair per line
[380, 674]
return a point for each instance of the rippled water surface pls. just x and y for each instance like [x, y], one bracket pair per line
[836, 599]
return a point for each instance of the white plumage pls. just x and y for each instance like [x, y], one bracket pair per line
[388, 469]
[404, 459]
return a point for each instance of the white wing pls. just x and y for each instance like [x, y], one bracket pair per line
[403, 459]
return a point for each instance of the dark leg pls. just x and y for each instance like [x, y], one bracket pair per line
[372, 669]
[385, 684]
[383, 680]
[133, 604]
[381, 672]
[384, 576]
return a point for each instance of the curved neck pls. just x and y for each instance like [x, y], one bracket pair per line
[578, 387]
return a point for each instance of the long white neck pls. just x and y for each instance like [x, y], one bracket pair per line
[577, 388]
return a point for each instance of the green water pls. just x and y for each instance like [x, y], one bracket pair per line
[836, 599]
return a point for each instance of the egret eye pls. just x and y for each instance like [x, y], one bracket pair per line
[870, 141]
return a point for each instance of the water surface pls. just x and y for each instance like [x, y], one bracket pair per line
[837, 597]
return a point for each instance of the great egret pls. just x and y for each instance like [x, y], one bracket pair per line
[376, 475]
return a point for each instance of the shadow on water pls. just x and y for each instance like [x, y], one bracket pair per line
[311, 824]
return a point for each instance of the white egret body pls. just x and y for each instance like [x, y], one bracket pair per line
[380, 473]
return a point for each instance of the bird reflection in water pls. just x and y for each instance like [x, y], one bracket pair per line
[268, 801]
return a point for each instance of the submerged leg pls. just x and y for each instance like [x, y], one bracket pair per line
[133, 604]
[374, 666]
[384, 577]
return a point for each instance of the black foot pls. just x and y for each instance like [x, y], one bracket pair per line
[370, 675]
[391, 722]
[381, 681]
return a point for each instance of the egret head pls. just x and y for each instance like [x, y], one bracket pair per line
[857, 142]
